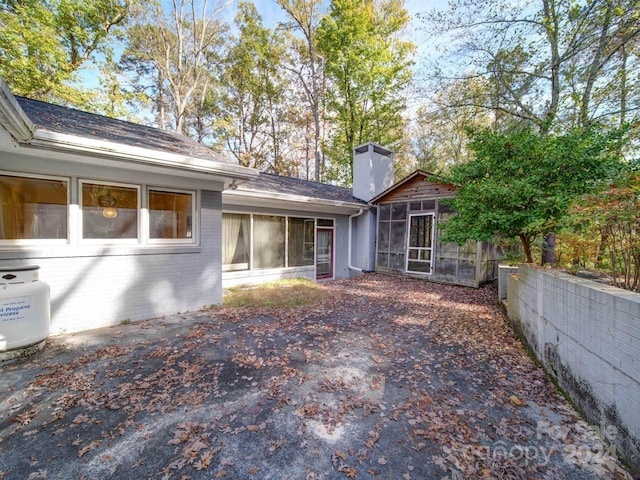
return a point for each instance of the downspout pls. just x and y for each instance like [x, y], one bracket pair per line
[351, 217]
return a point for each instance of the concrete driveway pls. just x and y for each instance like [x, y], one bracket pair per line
[385, 378]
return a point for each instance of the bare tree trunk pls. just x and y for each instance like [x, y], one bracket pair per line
[549, 249]
[526, 245]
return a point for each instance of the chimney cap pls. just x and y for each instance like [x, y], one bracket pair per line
[379, 149]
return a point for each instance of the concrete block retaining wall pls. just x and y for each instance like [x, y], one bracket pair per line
[587, 335]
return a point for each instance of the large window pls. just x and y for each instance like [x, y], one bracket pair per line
[235, 241]
[170, 215]
[392, 225]
[300, 241]
[109, 211]
[269, 241]
[33, 208]
[453, 260]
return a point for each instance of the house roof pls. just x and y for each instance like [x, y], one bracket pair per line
[65, 120]
[276, 191]
[269, 182]
[28, 126]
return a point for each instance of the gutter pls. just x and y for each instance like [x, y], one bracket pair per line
[103, 149]
[261, 195]
[351, 217]
[13, 117]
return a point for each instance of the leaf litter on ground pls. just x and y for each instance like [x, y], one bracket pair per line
[376, 376]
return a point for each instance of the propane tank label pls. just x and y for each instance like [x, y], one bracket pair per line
[15, 309]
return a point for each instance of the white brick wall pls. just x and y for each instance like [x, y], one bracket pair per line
[588, 336]
[100, 288]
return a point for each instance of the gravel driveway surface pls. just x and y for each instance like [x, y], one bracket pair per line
[386, 378]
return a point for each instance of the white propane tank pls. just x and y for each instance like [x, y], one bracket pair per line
[24, 307]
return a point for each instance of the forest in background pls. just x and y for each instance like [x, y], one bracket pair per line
[295, 97]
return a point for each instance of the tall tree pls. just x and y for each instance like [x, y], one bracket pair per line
[545, 60]
[305, 18]
[439, 131]
[368, 67]
[254, 105]
[169, 52]
[43, 44]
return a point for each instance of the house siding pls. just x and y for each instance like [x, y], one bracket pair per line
[100, 285]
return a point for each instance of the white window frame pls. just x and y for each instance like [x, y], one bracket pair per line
[432, 248]
[146, 218]
[109, 241]
[43, 241]
[333, 249]
[286, 217]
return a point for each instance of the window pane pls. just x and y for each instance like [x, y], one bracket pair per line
[466, 270]
[33, 208]
[300, 241]
[398, 211]
[422, 267]
[469, 250]
[429, 205]
[235, 241]
[170, 214]
[396, 261]
[384, 211]
[268, 241]
[398, 232]
[420, 233]
[382, 260]
[323, 222]
[383, 236]
[109, 212]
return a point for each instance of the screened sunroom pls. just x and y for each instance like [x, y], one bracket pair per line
[408, 240]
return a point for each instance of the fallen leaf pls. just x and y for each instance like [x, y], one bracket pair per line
[350, 472]
[42, 473]
[84, 450]
[516, 401]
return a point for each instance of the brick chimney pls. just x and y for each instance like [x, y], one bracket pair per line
[372, 170]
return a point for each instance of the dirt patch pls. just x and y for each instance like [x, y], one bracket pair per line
[386, 378]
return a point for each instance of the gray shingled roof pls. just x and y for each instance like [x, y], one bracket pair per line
[55, 118]
[268, 182]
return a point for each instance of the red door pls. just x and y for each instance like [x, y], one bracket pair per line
[324, 256]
